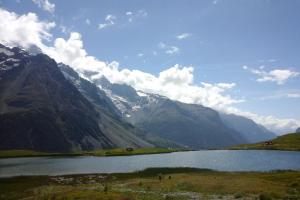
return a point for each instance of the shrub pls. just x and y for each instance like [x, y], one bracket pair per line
[264, 197]
[238, 195]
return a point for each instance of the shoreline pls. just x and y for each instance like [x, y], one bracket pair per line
[97, 153]
[157, 170]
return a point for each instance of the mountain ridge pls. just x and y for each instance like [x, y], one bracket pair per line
[49, 111]
[135, 107]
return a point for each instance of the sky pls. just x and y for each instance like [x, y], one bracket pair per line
[236, 56]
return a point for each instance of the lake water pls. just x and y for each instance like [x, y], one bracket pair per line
[222, 160]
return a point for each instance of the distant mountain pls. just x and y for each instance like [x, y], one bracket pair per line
[251, 131]
[190, 125]
[42, 110]
[298, 130]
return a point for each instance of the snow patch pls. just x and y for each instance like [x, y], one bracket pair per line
[6, 52]
[141, 94]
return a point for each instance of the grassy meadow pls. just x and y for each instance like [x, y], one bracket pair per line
[288, 142]
[101, 152]
[156, 184]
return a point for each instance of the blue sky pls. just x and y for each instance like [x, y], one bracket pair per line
[225, 41]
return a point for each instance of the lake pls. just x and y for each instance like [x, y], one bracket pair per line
[222, 160]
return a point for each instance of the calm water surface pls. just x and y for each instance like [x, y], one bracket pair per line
[223, 160]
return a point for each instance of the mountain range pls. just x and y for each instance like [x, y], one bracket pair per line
[47, 106]
[191, 125]
[42, 110]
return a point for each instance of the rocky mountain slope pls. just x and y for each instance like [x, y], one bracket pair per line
[100, 100]
[41, 110]
[191, 125]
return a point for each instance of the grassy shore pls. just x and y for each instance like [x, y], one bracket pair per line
[102, 152]
[288, 142]
[156, 184]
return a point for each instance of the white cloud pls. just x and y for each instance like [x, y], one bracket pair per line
[176, 82]
[140, 55]
[280, 76]
[183, 36]
[109, 21]
[245, 67]
[66, 30]
[169, 49]
[172, 50]
[271, 60]
[142, 13]
[88, 21]
[293, 95]
[23, 30]
[280, 95]
[45, 5]
[134, 15]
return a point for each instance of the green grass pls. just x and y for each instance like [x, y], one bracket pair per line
[174, 183]
[139, 151]
[288, 142]
[102, 152]
[29, 153]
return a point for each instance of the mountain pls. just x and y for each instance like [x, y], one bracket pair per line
[89, 90]
[42, 110]
[190, 125]
[98, 97]
[298, 130]
[251, 131]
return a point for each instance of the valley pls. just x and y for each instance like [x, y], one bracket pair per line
[149, 100]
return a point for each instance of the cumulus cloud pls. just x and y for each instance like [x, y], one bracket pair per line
[280, 76]
[109, 21]
[176, 82]
[168, 48]
[183, 36]
[24, 30]
[45, 5]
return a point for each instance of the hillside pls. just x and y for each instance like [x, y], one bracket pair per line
[288, 142]
[41, 110]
